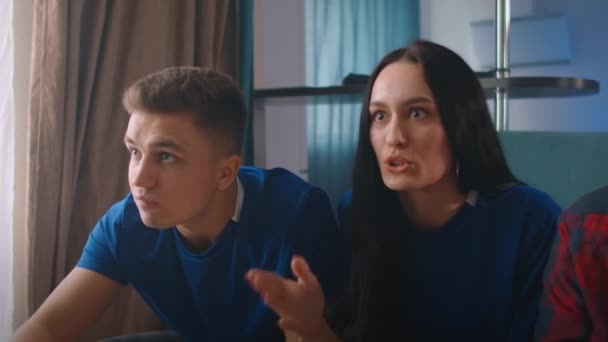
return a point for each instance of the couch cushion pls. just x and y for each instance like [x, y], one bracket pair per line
[565, 165]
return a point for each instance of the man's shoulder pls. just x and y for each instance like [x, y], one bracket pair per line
[122, 211]
[277, 198]
[594, 202]
[585, 222]
[272, 182]
[121, 218]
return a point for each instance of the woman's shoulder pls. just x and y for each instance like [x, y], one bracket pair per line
[522, 196]
[524, 206]
[527, 207]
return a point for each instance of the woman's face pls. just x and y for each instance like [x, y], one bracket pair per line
[406, 132]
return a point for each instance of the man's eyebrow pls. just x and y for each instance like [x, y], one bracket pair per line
[166, 143]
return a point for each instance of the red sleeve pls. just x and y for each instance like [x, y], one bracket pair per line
[574, 306]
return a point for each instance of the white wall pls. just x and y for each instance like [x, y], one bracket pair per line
[22, 25]
[448, 22]
[16, 61]
[7, 143]
[279, 61]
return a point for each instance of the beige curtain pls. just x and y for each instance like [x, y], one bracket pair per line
[84, 54]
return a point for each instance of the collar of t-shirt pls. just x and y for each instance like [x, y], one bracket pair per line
[472, 198]
[240, 195]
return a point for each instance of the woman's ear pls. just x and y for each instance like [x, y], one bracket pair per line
[229, 169]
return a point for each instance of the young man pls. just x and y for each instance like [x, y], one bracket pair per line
[194, 222]
[574, 306]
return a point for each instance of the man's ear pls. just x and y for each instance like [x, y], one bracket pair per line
[229, 169]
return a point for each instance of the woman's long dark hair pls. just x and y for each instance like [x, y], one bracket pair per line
[377, 290]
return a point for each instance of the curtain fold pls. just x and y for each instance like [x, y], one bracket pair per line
[84, 54]
[342, 37]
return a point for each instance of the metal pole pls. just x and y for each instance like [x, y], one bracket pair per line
[501, 98]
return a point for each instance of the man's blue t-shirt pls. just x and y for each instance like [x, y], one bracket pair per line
[205, 297]
[479, 277]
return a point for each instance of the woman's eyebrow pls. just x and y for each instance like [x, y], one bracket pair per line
[410, 101]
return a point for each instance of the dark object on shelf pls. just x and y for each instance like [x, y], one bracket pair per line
[355, 79]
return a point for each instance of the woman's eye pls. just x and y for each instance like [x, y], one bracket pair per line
[379, 116]
[417, 113]
[134, 152]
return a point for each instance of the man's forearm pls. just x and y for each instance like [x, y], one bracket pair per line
[31, 331]
[327, 336]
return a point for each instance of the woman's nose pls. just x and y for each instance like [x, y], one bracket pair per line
[395, 133]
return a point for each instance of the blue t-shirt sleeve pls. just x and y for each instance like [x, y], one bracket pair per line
[322, 242]
[99, 253]
[534, 250]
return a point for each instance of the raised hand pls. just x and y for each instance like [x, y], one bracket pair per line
[299, 304]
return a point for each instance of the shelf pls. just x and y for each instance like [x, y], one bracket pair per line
[540, 87]
[309, 91]
[517, 88]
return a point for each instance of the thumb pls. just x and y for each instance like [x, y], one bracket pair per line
[300, 269]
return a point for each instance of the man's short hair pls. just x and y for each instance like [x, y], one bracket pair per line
[213, 98]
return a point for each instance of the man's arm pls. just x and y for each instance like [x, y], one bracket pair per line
[575, 300]
[71, 308]
[562, 314]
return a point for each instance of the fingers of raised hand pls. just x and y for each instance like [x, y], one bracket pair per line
[302, 271]
[299, 304]
[268, 284]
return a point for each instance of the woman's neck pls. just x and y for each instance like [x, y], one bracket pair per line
[431, 208]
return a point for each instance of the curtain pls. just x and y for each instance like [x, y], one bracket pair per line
[84, 54]
[342, 37]
[7, 166]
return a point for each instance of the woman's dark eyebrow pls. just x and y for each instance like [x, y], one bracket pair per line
[410, 101]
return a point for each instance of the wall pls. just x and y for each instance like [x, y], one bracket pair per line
[7, 150]
[449, 23]
[280, 129]
[279, 61]
[23, 11]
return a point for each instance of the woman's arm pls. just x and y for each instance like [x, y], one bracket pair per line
[300, 304]
[535, 245]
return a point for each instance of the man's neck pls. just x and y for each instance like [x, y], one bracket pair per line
[202, 232]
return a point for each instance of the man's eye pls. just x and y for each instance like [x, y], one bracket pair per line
[164, 156]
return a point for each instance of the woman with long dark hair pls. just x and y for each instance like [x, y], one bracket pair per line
[445, 242]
